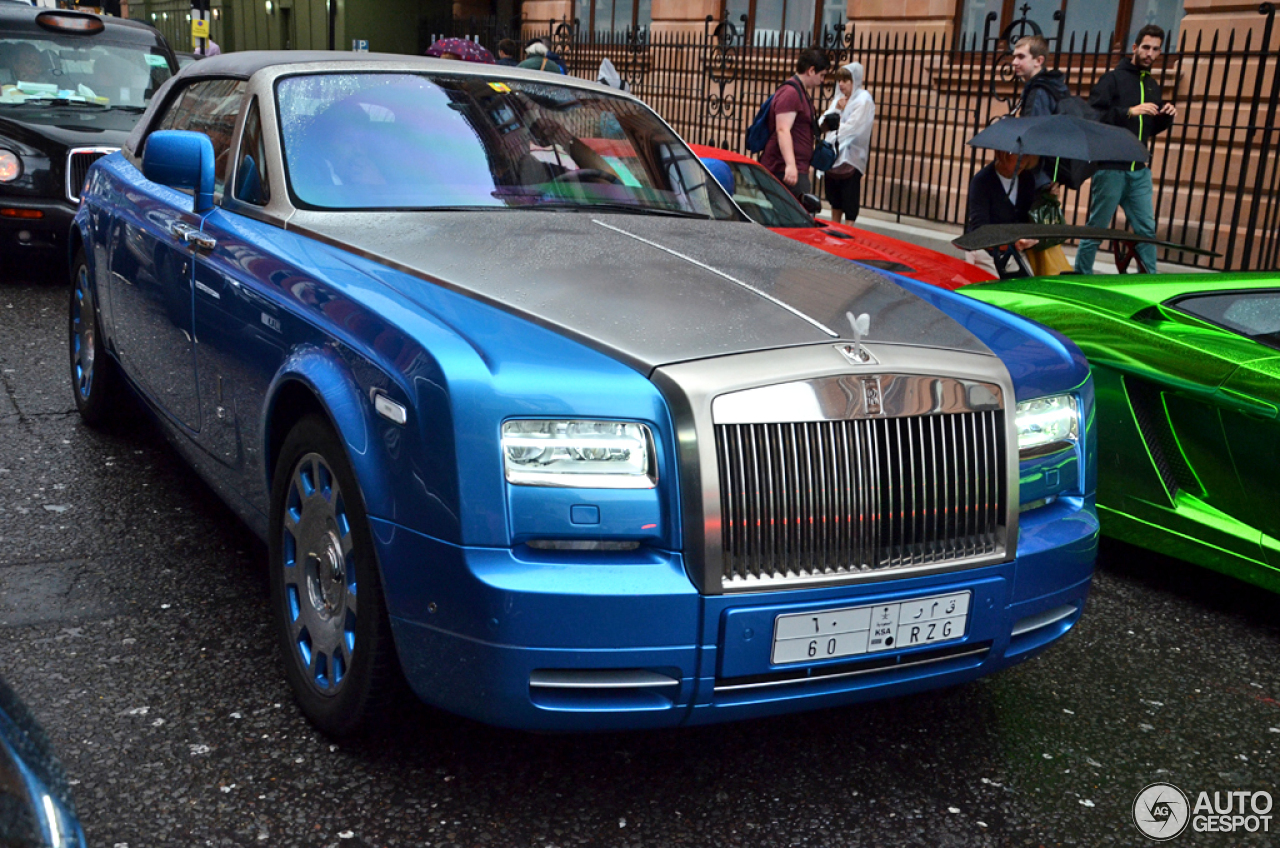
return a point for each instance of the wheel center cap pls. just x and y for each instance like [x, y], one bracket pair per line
[327, 575]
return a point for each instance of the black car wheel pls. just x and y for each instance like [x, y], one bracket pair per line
[326, 591]
[95, 378]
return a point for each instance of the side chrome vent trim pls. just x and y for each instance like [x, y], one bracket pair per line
[79, 159]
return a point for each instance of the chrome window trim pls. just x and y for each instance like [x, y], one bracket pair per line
[691, 390]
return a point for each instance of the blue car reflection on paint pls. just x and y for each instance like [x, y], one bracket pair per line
[36, 808]
[529, 412]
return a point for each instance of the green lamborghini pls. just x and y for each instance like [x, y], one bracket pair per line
[1187, 374]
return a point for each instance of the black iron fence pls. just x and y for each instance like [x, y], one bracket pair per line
[1214, 172]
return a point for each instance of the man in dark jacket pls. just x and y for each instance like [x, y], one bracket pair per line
[508, 53]
[1001, 193]
[1041, 89]
[1128, 96]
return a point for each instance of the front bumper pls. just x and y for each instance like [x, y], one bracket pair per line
[34, 238]
[575, 645]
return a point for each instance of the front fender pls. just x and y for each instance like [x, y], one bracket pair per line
[320, 379]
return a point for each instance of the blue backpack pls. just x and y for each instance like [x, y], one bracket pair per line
[758, 129]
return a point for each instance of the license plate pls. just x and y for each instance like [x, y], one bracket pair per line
[849, 631]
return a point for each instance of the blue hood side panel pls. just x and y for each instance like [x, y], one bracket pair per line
[477, 366]
[1041, 361]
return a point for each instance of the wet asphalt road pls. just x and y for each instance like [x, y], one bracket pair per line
[134, 618]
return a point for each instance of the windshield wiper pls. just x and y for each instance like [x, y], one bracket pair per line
[619, 207]
[39, 100]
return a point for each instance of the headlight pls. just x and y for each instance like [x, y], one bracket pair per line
[1047, 424]
[10, 166]
[586, 454]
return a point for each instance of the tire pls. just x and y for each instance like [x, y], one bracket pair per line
[95, 376]
[326, 591]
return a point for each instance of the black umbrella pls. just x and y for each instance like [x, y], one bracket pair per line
[1064, 136]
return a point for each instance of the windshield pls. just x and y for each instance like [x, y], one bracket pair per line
[81, 69]
[1254, 315]
[418, 141]
[765, 200]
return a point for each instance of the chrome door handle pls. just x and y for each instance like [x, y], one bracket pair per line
[188, 234]
[201, 241]
[181, 231]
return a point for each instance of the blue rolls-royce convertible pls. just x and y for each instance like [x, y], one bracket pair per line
[532, 415]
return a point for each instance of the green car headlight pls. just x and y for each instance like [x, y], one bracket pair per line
[1047, 424]
[585, 454]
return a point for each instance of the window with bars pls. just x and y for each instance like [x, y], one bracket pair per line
[784, 22]
[1117, 20]
[610, 16]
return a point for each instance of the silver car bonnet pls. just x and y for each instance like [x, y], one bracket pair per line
[648, 290]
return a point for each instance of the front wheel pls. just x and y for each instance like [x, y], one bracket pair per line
[325, 588]
[95, 377]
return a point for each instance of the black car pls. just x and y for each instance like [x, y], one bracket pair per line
[72, 85]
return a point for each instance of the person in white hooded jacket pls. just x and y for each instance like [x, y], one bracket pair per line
[855, 112]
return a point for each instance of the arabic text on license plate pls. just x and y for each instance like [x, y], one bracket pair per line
[846, 632]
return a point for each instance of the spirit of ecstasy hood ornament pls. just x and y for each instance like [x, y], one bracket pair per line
[860, 325]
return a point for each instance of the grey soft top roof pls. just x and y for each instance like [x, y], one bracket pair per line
[244, 64]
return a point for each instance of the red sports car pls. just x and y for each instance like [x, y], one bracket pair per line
[767, 202]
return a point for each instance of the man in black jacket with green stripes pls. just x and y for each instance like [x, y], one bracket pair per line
[1128, 96]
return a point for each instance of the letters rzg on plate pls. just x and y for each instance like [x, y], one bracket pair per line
[828, 634]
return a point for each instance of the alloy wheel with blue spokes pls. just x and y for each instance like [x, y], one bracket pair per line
[83, 335]
[319, 575]
[95, 380]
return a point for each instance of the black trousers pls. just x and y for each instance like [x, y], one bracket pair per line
[845, 194]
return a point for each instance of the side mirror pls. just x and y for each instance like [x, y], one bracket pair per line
[811, 203]
[181, 159]
[722, 172]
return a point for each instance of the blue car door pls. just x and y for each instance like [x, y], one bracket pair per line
[155, 256]
[150, 287]
[241, 330]
[239, 321]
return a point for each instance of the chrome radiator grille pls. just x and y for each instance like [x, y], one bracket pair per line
[78, 161]
[818, 500]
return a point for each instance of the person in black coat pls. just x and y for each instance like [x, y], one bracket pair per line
[1128, 96]
[1002, 193]
[1042, 91]
[508, 53]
